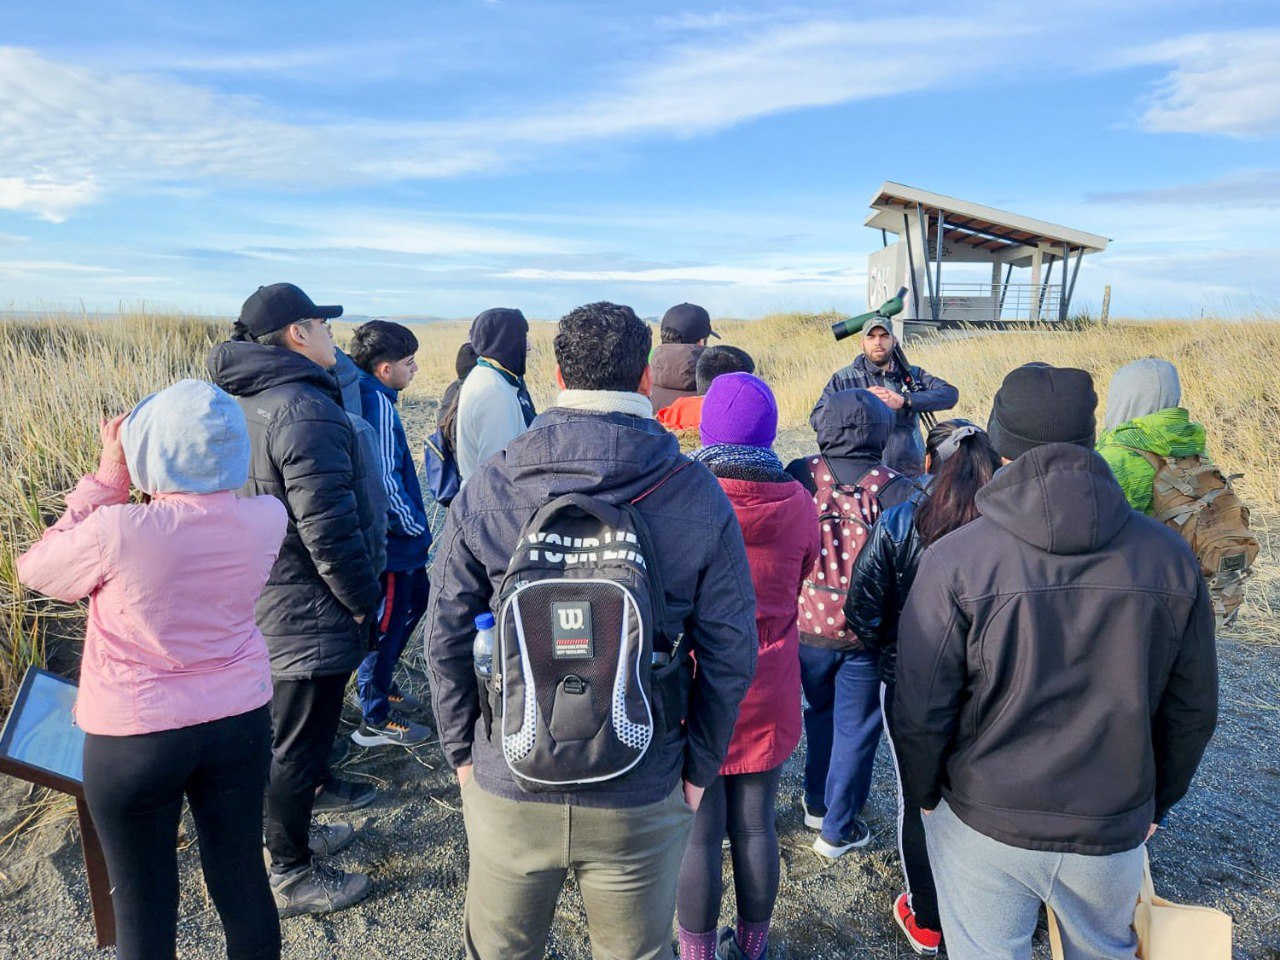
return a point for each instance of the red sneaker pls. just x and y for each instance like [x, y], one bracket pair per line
[922, 941]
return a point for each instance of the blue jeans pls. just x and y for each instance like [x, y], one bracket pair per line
[404, 601]
[842, 727]
[989, 894]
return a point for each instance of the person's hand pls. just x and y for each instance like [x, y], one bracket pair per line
[360, 620]
[1152, 832]
[693, 796]
[892, 399]
[464, 774]
[927, 813]
[109, 431]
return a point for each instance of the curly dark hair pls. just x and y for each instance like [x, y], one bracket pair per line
[602, 346]
[381, 341]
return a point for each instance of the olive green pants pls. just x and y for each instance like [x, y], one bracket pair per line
[626, 862]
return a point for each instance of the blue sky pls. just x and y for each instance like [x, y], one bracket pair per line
[440, 158]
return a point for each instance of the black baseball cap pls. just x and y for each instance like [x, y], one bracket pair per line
[691, 321]
[278, 305]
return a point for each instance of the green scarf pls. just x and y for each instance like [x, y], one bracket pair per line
[1165, 433]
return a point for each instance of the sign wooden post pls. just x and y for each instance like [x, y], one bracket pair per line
[41, 744]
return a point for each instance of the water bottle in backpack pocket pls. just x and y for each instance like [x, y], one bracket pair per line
[580, 612]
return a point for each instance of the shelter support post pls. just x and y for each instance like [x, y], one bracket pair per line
[911, 261]
[1070, 289]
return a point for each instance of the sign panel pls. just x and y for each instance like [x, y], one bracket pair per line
[41, 731]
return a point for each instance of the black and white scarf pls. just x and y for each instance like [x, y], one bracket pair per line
[732, 461]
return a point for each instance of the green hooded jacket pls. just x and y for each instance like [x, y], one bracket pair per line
[1166, 433]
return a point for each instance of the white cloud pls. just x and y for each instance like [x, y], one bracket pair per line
[73, 135]
[841, 277]
[1224, 83]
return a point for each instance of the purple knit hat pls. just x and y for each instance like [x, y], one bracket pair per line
[740, 409]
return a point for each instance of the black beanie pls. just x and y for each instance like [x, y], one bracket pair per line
[1039, 404]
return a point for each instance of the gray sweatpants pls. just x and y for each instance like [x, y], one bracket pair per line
[626, 863]
[989, 895]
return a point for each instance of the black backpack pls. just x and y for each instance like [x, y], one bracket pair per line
[585, 676]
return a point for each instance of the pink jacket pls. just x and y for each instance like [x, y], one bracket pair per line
[780, 526]
[171, 638]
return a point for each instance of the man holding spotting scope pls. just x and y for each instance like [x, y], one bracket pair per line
[884, 371]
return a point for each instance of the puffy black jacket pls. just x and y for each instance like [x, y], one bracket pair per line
[1057, 677]
[905, 448]
[305, 453]
[696, 539]
[882, 577]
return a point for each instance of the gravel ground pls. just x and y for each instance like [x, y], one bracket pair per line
[1221, 848]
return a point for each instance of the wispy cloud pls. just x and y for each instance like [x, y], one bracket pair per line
[1225, 83]
[832, 275]
[1251, 188]
[73, 135]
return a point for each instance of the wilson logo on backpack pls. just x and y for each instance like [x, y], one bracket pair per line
[575, 697]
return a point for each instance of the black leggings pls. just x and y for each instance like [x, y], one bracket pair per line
[134, 787]
[912, 851]
[740, 806]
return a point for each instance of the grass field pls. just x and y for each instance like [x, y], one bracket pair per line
[60, 377]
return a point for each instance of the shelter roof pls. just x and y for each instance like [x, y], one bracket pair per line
[1005, 236]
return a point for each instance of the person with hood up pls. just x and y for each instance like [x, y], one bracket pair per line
[1057, 685]
[623, 837]
[175, 679]
[958, 462]
[494, 406]
[1143, 414]
[684, 331]
[877, 371]
[315, 608]
[779, 525]
[851, 486]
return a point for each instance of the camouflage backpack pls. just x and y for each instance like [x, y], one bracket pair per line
[1194, 497]
[846, 514]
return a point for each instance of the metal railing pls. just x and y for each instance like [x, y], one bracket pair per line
[976, 302]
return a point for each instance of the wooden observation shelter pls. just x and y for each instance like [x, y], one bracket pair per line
[934, 231]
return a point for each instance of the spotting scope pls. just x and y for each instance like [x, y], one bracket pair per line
[890, 308]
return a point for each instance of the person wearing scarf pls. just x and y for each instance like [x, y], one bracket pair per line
[779, 524]
[494, 406]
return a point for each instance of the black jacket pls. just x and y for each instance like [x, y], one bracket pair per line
[905, 449]
[1057, 677]
[305, 453]
[882, 578]
[696, 538]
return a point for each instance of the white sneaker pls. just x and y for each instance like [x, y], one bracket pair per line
[834, 851]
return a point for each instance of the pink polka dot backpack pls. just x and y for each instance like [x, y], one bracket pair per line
[846, 515]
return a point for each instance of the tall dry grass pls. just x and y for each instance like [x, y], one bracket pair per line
[60, 377]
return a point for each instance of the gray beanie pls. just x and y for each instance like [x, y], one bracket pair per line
[1141, 388]
[188, 438]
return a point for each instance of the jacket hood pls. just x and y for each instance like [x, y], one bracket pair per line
[1141, 388]
[188, 438]
[756, 504]
[613, 456]
[348, 376]
[244, 368]
[1166, 433]
[854, 425]
[674, 366]
[1058, 497]
[502, 334]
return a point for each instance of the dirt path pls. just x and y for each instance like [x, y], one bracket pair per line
[1221, 848]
